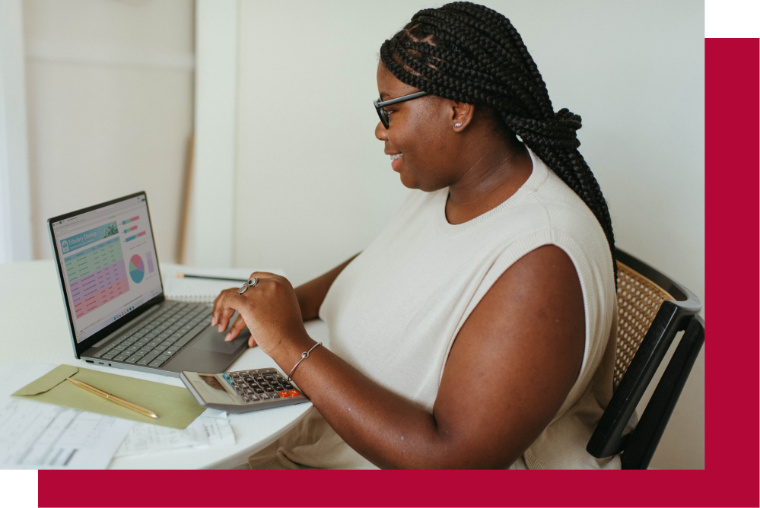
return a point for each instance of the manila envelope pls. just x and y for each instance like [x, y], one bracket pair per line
[174, 406]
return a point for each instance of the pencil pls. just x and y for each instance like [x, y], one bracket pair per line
[208, 277]
[113, 398]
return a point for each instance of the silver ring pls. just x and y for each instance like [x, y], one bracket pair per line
[249, 284]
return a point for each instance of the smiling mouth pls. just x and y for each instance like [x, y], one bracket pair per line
[394, 157]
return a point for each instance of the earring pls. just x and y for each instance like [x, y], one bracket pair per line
[457, 125]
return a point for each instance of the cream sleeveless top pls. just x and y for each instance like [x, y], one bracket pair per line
[395, 310]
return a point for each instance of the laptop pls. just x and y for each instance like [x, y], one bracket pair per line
[112, 290]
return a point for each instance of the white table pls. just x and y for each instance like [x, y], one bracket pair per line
[34, 329]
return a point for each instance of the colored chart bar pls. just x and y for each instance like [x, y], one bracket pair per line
[130, 220]
[149, 259]
[130, 229]
[129, 239]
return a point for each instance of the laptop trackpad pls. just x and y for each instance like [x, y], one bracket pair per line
[211, 340]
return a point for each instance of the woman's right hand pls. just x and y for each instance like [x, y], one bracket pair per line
[309, 296]
[223, 324]
[269, 309]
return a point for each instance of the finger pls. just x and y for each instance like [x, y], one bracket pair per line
[237, 327]
[265, 275]
[251, 341]
[226, 310]
[219, 306]
[224, 318]
[215, 312]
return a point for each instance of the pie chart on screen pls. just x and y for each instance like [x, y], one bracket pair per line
[136, 269]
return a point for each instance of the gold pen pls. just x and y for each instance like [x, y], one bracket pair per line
[113, 398]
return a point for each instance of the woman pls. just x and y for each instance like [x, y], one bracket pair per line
[477, 331]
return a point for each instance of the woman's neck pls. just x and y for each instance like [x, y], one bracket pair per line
[494, 174]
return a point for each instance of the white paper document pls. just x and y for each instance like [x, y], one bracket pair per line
[43, 436]
[210, 429]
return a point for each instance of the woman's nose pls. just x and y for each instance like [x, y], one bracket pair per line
[381, 132]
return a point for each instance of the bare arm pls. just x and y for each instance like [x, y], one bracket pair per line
[311, 294]
[513, 363]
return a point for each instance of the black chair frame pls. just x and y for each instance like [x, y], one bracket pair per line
[639, 446]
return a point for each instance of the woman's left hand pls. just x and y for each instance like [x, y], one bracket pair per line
[270, 311]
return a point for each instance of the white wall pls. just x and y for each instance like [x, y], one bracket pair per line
[15, 208]
[215, 135]
[313, 186]
[110, 104]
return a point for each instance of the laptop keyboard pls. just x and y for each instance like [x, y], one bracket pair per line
[157, 340]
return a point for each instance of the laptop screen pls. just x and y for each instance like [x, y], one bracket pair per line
[108, 263]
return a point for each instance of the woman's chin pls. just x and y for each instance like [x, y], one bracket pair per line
[411, 182]
[407, 181]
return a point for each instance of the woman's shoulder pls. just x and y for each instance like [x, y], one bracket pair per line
[551, 213]
[557, 207]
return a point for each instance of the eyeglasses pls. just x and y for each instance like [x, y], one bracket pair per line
[383, 114]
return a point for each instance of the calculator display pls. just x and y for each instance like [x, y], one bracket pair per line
[211, 389]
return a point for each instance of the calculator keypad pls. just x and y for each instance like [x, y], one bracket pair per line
[260, 385]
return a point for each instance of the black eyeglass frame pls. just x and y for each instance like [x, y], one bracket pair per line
[384, 114]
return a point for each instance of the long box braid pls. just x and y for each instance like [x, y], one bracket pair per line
[470, 53]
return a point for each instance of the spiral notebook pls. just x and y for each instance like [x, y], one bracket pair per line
[196, 290]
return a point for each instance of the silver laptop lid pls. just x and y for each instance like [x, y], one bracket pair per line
[107, 266]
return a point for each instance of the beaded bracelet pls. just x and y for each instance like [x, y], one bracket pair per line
[304, 356]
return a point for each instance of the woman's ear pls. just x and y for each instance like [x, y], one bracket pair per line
[461, 115]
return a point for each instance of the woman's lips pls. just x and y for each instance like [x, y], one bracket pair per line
[396, 161]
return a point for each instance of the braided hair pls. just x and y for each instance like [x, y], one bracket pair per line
[472, 54]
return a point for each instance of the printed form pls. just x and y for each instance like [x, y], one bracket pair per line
[212, 428]
[43, 436]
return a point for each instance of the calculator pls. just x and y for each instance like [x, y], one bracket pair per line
[242, 391]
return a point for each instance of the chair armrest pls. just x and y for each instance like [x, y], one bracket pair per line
[646, 436]
[608, 438]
